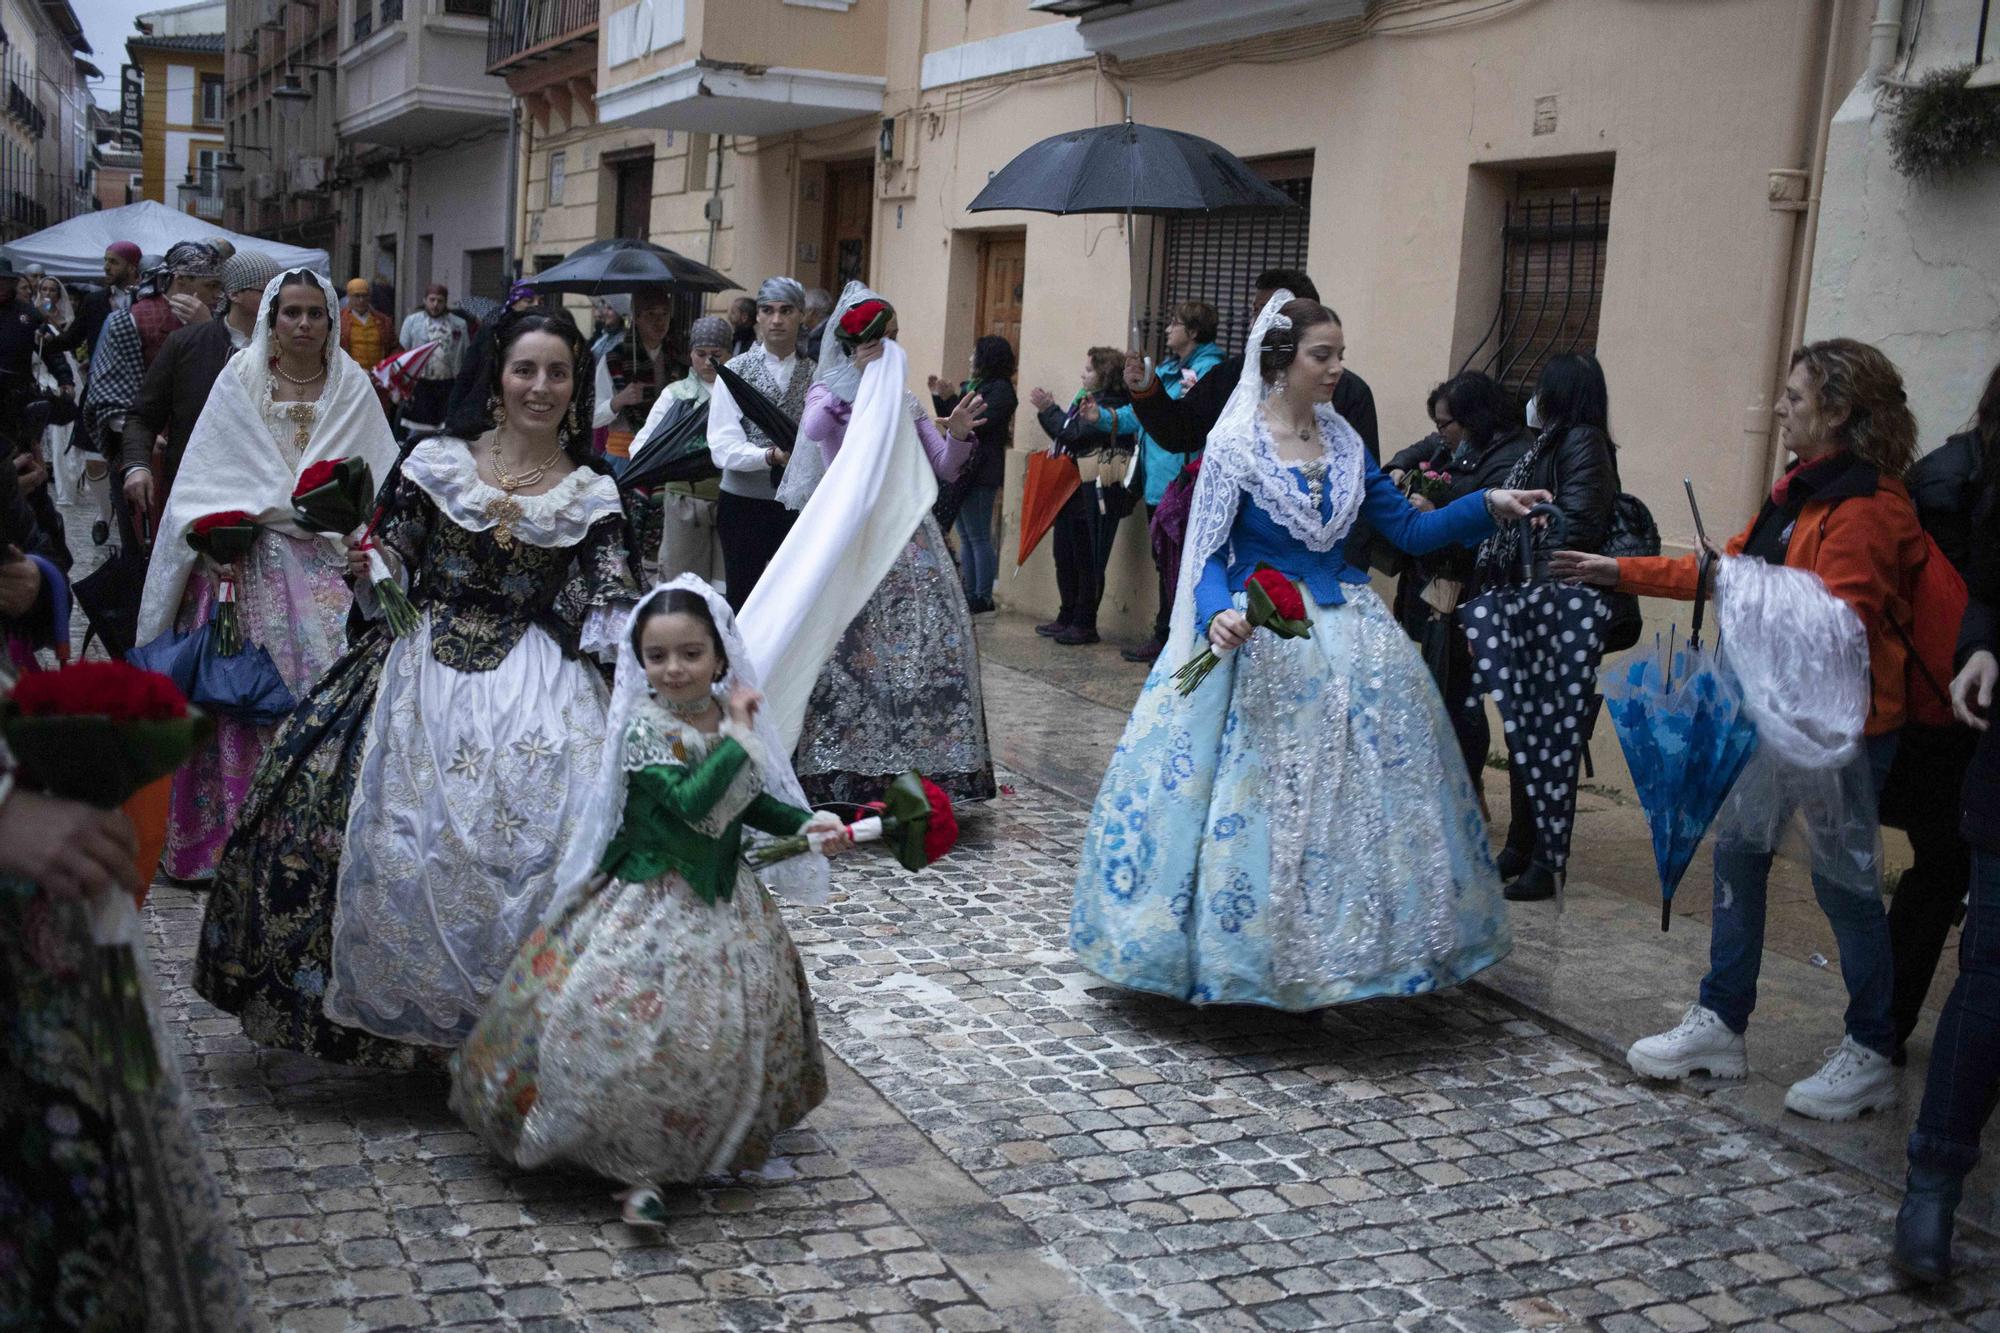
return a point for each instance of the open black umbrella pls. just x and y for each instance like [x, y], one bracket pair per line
[109, 596]
[1128, 168]
[676, 451]
[1535, 648]
[622, 265]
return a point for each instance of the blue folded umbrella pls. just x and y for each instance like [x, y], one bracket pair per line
[245, 686]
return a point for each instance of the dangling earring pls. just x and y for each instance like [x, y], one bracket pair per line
[571, 429]
[496, 409]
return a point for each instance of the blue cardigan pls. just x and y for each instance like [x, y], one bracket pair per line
[1255, 538]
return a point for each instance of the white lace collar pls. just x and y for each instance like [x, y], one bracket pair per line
[1274, 483]
[442, 467]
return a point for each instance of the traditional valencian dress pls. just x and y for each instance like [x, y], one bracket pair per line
[902, 689]
[246, 454]
[404, 829]
[658, 1028]
[1299, 830]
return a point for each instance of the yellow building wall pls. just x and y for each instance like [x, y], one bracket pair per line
[160, 179]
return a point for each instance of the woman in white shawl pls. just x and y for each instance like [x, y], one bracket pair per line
[658, 1027]
[289, 400]
[902, 688]
[404, 829]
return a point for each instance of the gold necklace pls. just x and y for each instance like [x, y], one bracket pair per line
[511, 482]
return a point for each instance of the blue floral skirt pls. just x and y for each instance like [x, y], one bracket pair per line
[1297, 833]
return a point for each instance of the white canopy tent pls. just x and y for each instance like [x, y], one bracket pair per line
[75, 249]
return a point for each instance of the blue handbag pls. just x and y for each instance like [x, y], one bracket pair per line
[246, 687]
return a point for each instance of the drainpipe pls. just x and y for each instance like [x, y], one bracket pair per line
[1885, 34]
[514, 199]
[1792, 279]
[714, 206]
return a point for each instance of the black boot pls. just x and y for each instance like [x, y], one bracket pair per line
[1923, 1224]
[1513, 861]
[1536, 884]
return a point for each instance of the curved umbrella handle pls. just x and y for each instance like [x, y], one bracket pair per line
[1558, 538]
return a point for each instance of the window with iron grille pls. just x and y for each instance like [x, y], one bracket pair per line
[1216, 258]
[1553, 244]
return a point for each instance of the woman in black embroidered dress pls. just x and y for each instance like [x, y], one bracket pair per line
[404, 827]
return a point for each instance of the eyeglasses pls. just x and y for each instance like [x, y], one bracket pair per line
[1444, 423]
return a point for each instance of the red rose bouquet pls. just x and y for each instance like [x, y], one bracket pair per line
[98, 732]
[1274, 604]
[332, 498]
[226, 538]
[864, 323]
[915, 819]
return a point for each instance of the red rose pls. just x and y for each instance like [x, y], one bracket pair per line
[100, 689]
[865, 322]
[941, 834]
[316, 476]
[228, 518]
[1283, 594]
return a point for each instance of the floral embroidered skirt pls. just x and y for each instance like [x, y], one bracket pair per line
[293, 601]
[902, 690]
[648, 1036]
[109, 1219]
[1297, 833]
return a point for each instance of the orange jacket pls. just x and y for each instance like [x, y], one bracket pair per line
[1864, 543]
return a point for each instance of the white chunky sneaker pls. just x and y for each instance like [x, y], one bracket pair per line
[1702, 1041]
[1853, 1080]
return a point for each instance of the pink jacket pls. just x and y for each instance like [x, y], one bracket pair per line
[825, 423]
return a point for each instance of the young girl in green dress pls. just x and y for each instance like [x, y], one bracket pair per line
[657, 1027]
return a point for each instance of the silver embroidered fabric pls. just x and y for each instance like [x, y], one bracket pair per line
[902, 690]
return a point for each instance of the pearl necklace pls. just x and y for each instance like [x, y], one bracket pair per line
[1314, 469]
[511, 482]
[313, 378]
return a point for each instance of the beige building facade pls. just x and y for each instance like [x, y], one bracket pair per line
[1482, 184]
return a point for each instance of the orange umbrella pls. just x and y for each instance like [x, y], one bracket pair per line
[147, 808]
[1051, 480]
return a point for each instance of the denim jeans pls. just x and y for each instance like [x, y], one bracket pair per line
[1965, 1054]
[1860, 926]
[979, 562]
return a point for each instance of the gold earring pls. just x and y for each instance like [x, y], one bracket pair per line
[572, 416]
[496, 409]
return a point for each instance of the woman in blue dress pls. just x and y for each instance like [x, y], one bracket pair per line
[1298, 831]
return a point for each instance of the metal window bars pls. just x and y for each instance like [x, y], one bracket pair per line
[1552, 257]
[1216, 257]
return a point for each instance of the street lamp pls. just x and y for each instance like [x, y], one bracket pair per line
[291, 93]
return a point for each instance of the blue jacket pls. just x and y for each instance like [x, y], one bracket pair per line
[1161, 466]
[1255, 538]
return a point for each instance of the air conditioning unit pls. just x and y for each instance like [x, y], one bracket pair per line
[308, 173]
[264, 185]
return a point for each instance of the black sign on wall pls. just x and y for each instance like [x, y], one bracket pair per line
[131, 101]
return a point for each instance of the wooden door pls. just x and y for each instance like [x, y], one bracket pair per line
[1003, 268]
[850, 223]
[635, 198]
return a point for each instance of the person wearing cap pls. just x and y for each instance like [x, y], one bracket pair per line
[434, 323]
[121, 275]
[749, 518]
[177, 384]
[684, 512]
[366, 333]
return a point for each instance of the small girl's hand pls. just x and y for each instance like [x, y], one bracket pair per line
[743, 705]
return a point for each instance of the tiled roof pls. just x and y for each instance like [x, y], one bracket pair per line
[207, 42]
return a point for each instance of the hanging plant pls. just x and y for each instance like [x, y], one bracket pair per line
[1941, 127]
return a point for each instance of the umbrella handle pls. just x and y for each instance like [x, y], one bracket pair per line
[1704, 570]
[1558, 526]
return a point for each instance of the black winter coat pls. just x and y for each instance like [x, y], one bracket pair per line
[1581, 473]
[1979, 820]
[1181, 425]
[988, 465]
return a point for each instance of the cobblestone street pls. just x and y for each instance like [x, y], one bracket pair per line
[1011, 1144]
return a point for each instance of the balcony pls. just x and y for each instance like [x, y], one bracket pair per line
[742, 66]
[1129, 29]
[526, 32]
[417, 78]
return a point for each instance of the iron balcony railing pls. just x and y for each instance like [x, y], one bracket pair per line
[521, 27]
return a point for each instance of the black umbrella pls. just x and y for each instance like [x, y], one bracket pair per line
[621, 265]
[677, 451]
[760, 411]
[1128, 168]
[109, 596]
[1535, 648]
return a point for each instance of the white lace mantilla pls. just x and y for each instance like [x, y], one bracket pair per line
[1273, 483]
[442, 467]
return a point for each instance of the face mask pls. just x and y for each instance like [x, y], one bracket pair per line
[1535, 413]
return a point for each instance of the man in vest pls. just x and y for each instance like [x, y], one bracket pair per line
[749, 521]
[367, 335]
[186, 290]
